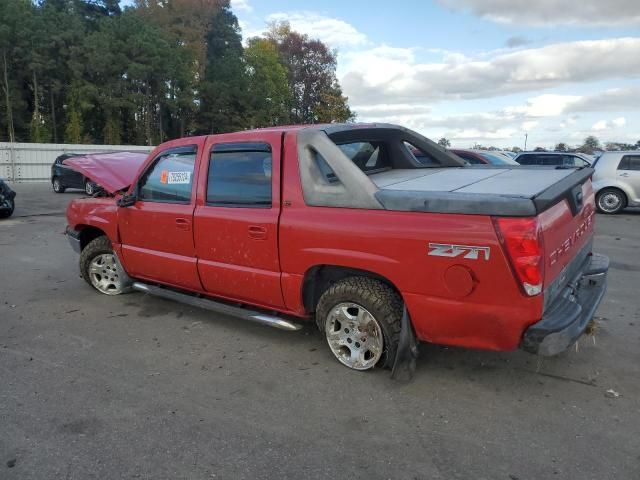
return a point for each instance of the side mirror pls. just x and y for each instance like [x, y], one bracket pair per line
[127, 200]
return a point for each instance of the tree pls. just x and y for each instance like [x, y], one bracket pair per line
[89, 71]
[184, 22]
[516, 149]
[561, 147]
[269, 95]
[16, 18]
[224, 90]
[332, 106]
[311, 67]
[444, 143]
[590, 144]
[73, 128]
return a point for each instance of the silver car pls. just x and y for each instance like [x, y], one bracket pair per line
[617, 181]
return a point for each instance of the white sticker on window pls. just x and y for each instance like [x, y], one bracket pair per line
[178, 177]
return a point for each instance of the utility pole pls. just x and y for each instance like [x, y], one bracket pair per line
[526, 135]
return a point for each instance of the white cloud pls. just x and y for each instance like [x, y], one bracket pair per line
[332, 31]
[609, 125]
[544, 105]
[615, 99]
[398, 110]
[391, 75]
[552, 12]
[530, 125]
[476, 134]
[601, 125]
[241, 5]
[619, 122]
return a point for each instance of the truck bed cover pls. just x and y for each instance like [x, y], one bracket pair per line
[515, 191]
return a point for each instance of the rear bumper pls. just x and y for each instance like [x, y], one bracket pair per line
[566, 319]
[74, 239]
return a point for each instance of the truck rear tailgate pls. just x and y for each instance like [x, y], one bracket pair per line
[567, 236]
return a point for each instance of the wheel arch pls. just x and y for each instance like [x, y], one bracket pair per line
[319, 278]
[89, 233]
[618, 188]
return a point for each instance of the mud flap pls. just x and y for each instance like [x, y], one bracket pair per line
[404, 365]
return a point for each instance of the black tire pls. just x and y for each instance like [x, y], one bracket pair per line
[99, 246]
[57, 185]
[378, 298]
[8, 212]
[89, 187]
[611, 201]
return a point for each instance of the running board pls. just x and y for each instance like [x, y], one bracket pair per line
[244, 313]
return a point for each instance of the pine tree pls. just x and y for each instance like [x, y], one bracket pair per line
[224, 90]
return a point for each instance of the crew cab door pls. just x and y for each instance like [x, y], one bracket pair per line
[157, 231]
[236, 219]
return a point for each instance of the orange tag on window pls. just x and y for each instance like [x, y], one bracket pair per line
[164, 176]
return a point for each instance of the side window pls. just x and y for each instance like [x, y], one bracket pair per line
[630, 162]
[240, 175]
[422, 157]
[550, 160]
[527, 160]
[368, 156]
[571, 161]
[170, 178]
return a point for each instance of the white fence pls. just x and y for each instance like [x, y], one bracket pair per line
[31, 162]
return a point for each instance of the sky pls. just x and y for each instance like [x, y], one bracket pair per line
[479, 71]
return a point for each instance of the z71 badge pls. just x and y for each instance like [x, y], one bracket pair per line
[466, 251]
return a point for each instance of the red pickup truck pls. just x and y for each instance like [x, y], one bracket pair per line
[345, 225]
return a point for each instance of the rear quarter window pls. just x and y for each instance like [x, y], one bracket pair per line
[629, 162]
[420, 156]
[368, 156]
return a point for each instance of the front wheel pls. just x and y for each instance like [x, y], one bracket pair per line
[7, 211]
[57, 186]
[100, 269]
[361, 319]
[611, 200]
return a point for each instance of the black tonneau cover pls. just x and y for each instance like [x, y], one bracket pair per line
[501, 191]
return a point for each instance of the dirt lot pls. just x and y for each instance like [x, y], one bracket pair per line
[137, 387]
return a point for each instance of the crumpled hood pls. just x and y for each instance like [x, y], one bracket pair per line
[112, 171]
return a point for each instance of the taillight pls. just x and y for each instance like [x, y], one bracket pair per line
[522, 240]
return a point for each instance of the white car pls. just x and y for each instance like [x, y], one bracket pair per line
[617, 181]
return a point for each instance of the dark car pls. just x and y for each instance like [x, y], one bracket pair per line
[483, 157]
[557, 159]
[63, 176]
[7, 200]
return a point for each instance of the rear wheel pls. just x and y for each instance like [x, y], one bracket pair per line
[361, 319]
[611, 200]
[57, 186]
[100, 269]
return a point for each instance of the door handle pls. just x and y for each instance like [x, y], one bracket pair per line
[183, 224]
[624, 174]
[257, 232]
